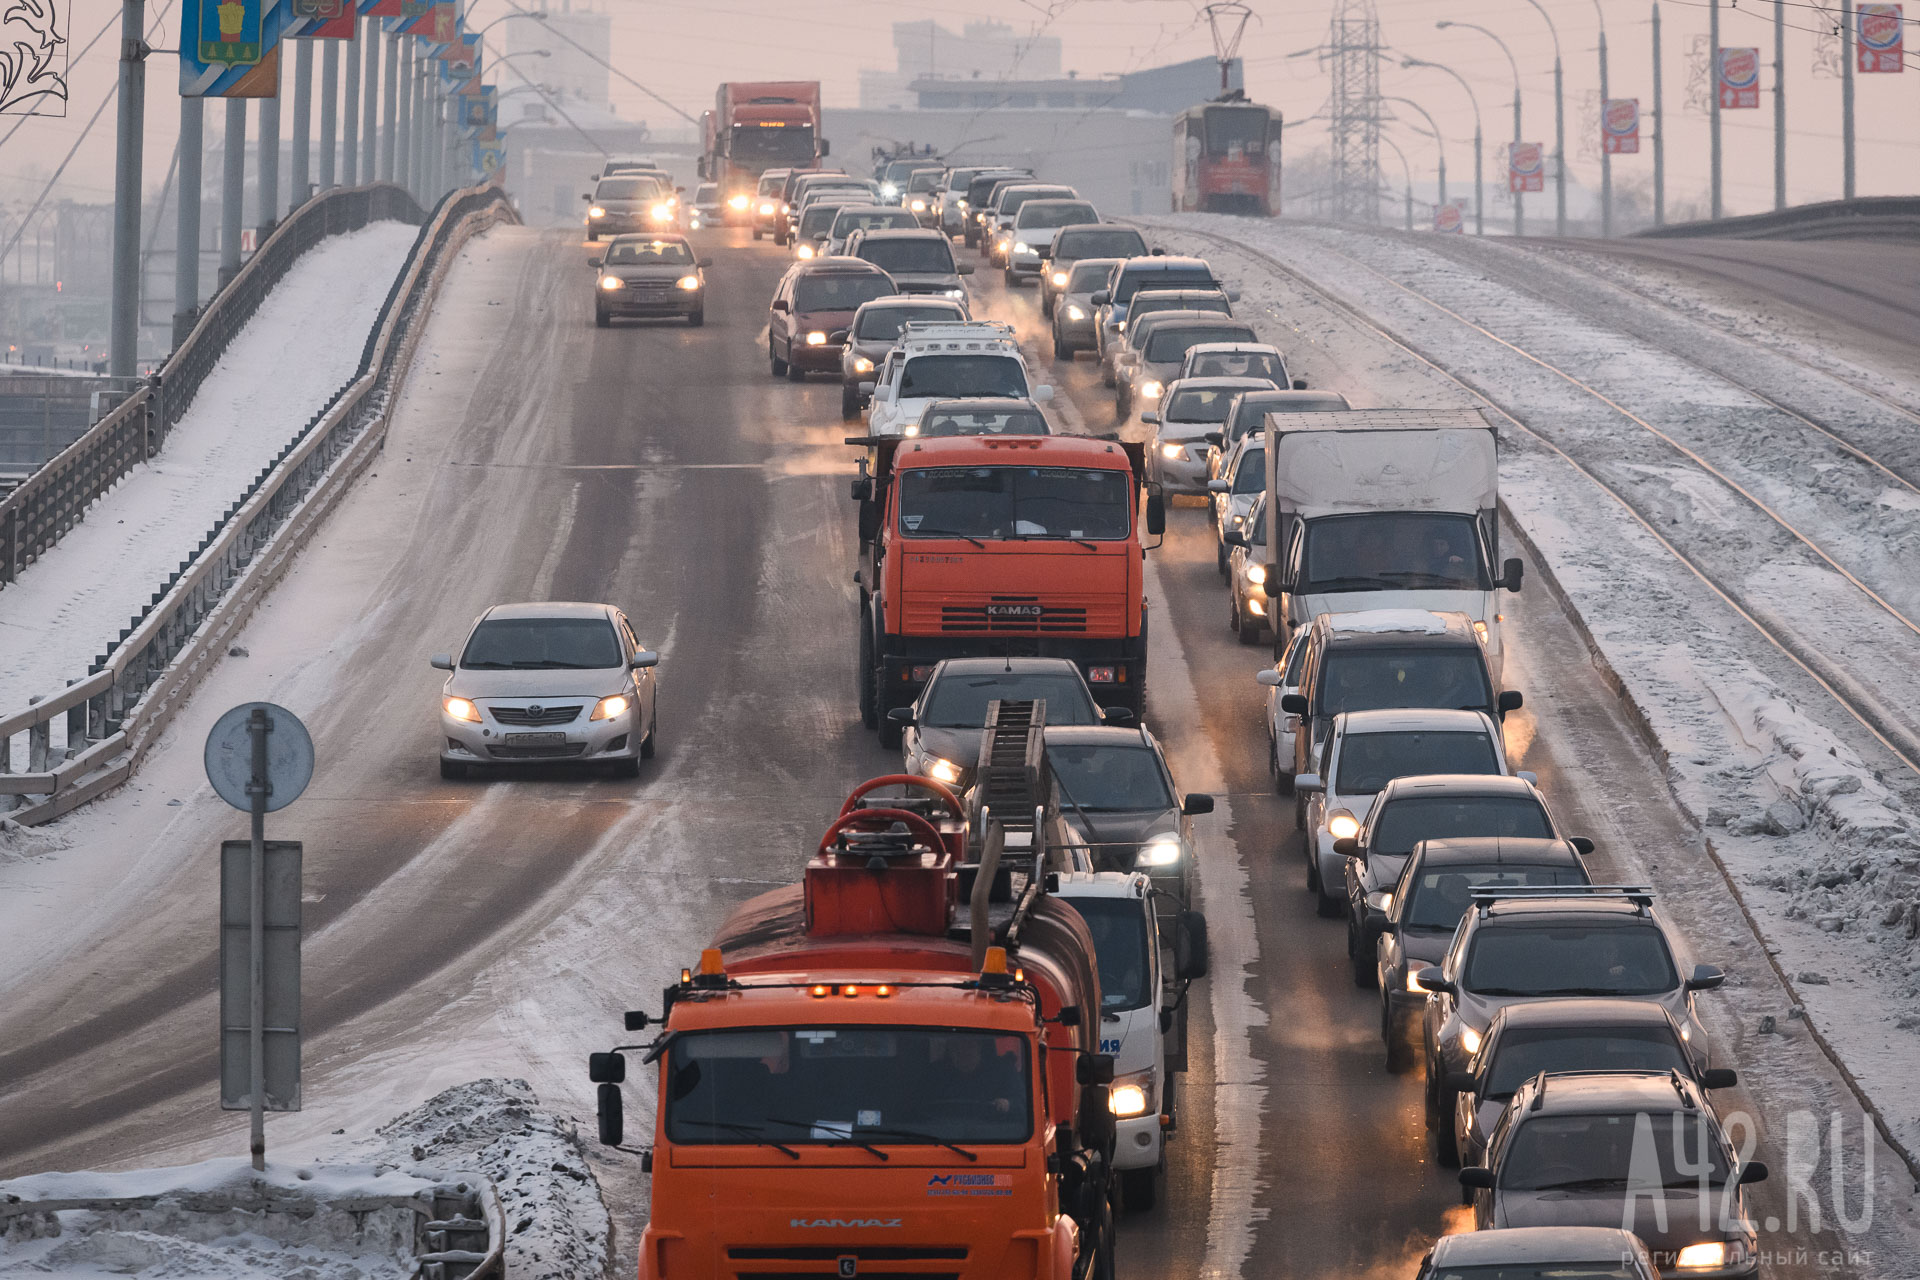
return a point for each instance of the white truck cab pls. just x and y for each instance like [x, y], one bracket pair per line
[946, 360]
[1143, 1013]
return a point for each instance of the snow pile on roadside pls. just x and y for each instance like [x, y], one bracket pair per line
[18, 843]
[557, 1225]
[300, 346]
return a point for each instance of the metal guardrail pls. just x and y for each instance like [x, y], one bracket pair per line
[40, 511]
[135, 687]
[1865, 218]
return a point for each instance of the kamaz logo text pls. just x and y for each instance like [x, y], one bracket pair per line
[810, 1224]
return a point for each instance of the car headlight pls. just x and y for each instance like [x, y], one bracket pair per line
[943, 770]
[461, 709]
[766, 206]
[1076, 313]
[741, 202]
[1173, 452]
[1480, 630]
[608, 708]
[1059, 279]
[596, 212]
[689, 283]
[1343, 825]
[612, 282]
[1161, 851]
[1131, 1095]
[956, 294]
[1257, 574]
[661, 212]
[919, 206]
[888, 190]
[1713, 1254]
[1021, 246]
[862, 365]
[1151, 389]
[816, 339]
[693, 223]
[961, 205]
[804, 251]
[1469, 1040]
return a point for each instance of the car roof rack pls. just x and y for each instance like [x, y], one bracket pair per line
[955, 329]
[1640, 895]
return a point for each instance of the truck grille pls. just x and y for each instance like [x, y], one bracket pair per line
[823, 1260]
[537, 715]
[1025, 615]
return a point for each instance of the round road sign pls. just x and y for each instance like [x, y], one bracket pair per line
[230, 756]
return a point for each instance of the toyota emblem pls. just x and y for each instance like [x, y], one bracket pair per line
[535, 709]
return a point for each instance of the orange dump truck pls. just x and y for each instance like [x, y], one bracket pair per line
[990, 546]
[857, 1081]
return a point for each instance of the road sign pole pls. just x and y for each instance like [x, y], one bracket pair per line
[1606, 157]
[258, 726]
[126, 189]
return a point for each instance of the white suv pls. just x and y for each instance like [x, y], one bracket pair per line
[947, 362]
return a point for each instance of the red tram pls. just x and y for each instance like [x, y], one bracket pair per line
[1226, 159]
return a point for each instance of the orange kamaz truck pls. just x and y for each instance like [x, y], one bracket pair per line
[990, 546]
[888, 1069]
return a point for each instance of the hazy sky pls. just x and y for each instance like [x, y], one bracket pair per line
[682, 50]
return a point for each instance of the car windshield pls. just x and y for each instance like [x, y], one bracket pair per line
[883, 324]
[1370, 679]
[1132, 282]
[772, 184]
[1250, 473]
[817, 221]
[898, 1085]
[924, 180]
[1405, 822]
[1103, 242]
[959, 700]
[909, 255]
[840, 291]
[1522, 1053]
[1542, 1270]
[635, 188]
[1198, 404]
[1122, 947]
[1048, 215]
[984, 422]
[1437, 898]
[542, 644]
[1626, 959]
[1088, 276]
[1238, 364]
[765, 143]
[1168, 345]
[869, 220]
[1369, 761]
[1016, 502]
[649, 253]
[1642, 1150]
[1104, 777]
[1393, 551]
[962, 375]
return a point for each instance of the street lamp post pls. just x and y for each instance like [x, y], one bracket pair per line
[1606, 157]
[1439, 143]
[1519, 212]
[1479, 188]
[1559, 126]
[1406, 175]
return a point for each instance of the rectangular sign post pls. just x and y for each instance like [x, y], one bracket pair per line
[1526, 167]
[1620, 126]
[1881, 43]
[1737, 78]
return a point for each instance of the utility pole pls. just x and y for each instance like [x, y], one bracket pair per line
[1846, 99]
[1559, 151]
[233, 188]
[329, 114]
[1606, 157]
[186, 241]
[1713, 109]
[128, 156]
[1779, 104]
[302, 123]
[1659, 131]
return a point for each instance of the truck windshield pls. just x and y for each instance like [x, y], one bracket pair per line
[1371, 679]
[1369, 761]
[1407, 821]
[1524, 1054]
[1571, 960]
[1100, 242]
[924, 180]
[841, 291]
[1100, 777]
[1016, 502]
[1239, 364]
[1169, 345]
[1122, 945]
[769, 144]
[959, 701]
[1010, 203]
[957, 376]
[842, 1085]
[1437, 899]
[1638, 1149]
[985, 422]
[909, 255]
[981, 187]
[1393, 551]
[535, 644]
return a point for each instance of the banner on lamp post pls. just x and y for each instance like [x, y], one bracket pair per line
[1882, 42]
[231, 48]
[1526, 167]
[1620, 126]
[1737, 78]
[323, 20]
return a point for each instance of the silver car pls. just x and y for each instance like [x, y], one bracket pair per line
[1074, 329]
[876, 327]
[545, 682]
[1184, 416]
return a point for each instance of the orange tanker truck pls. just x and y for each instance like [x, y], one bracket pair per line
[886, 1070]
[991, 546]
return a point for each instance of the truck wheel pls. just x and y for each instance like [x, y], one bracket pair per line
[863, 675]
[1139, 1189]
[774, 362]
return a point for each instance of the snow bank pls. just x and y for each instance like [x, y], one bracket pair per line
[300, 347]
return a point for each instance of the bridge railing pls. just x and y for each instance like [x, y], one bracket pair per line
[1864, 218]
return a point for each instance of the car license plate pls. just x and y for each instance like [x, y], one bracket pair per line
[535, 739]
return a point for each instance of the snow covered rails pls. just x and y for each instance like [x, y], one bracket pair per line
[88, 737]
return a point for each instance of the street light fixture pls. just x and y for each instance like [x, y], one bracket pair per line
[1519, 211]
[1479, 188]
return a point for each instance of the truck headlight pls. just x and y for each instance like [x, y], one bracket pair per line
[1713, 1254]
[662, 212]
[740, 202]
[1343, 825]
[816, 339]
[689, 283]
[1131, 1095]
[612, 282]
[943, 770]
[1161, 851]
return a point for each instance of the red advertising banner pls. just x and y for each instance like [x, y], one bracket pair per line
[1737, 78]
[1526, 167]
[1620, 126]
[1882, 46]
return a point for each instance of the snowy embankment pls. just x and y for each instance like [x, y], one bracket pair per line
[1812, 819]
[301, 346]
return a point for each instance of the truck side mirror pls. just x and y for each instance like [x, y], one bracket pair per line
[1511, 574]
[863, 489]
[1094, 1068]
[1156, 515]
[613, 1119]
[1069, 1015]
[1509, 700]
[826, 147]
[1190, 947]
[1294, 704]
[607, 1068]
[637, 1019]
[1196, 803]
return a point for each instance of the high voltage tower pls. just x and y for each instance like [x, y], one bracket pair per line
[1351, 56]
